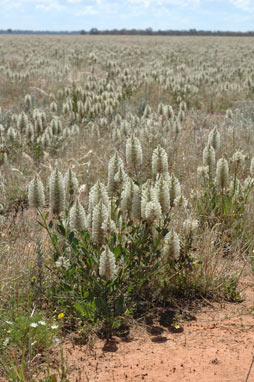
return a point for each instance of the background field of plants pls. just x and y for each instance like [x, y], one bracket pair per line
[126, 184]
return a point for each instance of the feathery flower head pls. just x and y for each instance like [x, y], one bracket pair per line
[98, 192]
[108, 225]
[174, 189]
[209, 159]
[70, 181]
[12, 134]
[56, 192]
[238, 159]
[99, 215]
[203, 172]
[214, 138]
[171, 249]
[222, 173]
[114, 165]
[107, 267]
[53, 107]
[77, 217]
[190, 225]
[36, 196]
[161, 190]
[153, 211]
[180, 201]
[159, 161]
[22, 122]
[134, 154]
[28, 101]
[120, 177]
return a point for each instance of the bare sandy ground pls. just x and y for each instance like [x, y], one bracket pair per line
[216, 345]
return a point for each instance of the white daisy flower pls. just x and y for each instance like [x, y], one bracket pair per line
[6, 341]
[33, 325]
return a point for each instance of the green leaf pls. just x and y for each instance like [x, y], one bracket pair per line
[119, 306]
[71, 236]
[79, 308]
[83, 250]
[54, 239]
[117, 251]
[74, 248]
[61, 229]
[75, 241]
[86, 295]
[102, 306]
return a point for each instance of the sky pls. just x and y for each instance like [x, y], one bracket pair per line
[63, 15]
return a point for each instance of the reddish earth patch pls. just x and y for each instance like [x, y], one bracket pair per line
[216, 346]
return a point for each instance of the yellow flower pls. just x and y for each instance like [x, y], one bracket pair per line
[60, 315]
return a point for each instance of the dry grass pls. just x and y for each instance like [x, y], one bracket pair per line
[210, 75]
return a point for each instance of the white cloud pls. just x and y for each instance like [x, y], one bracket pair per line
[10, 4]
[245, 5]
[88, 10]
[148, 3]
[159, 14]
[145, 3]
[112, 6]
[39, 4]
[48, 5]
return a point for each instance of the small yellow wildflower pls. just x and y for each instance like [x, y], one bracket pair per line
[60, 315]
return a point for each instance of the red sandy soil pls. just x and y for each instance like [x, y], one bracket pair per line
[216, 345]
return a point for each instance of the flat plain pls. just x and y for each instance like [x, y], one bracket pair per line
[126, 208]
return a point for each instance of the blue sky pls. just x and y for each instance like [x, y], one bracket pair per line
[107, 14]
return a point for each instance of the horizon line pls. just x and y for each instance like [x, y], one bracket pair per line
[146, 31]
